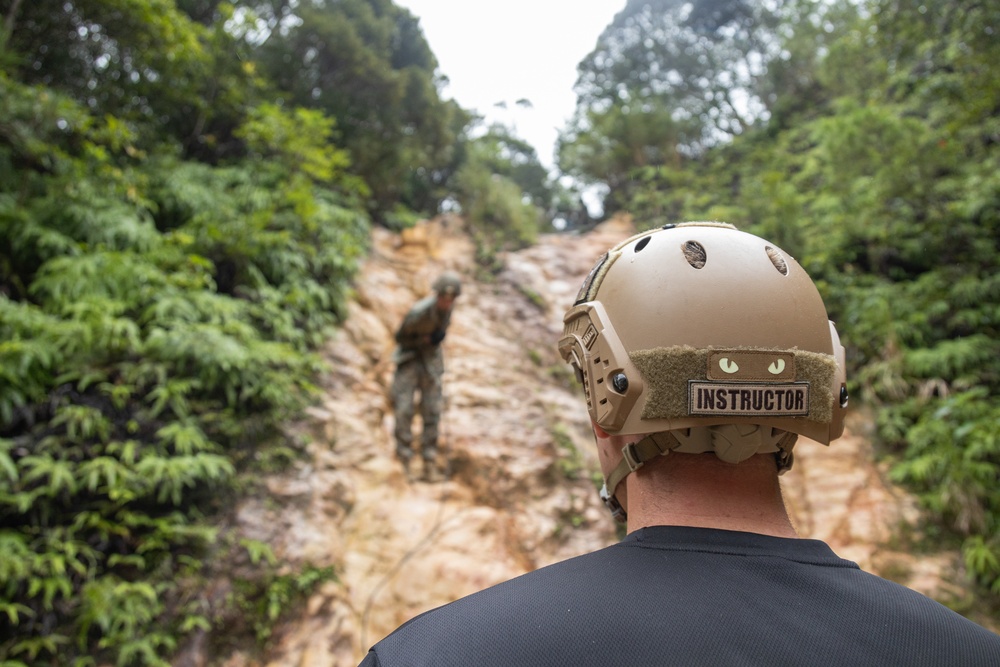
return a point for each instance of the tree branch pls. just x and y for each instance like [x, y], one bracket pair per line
[8, 22]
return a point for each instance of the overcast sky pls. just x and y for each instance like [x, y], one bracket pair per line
[500, 52]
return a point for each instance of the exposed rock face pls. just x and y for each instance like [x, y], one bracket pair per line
[520, 493]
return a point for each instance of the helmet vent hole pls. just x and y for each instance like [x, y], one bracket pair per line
[777, 259]
[643, 242]
[694, 253]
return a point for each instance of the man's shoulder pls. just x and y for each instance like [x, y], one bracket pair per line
[424, 305]
[513, 614]
[524, 588]
[418, 313]
[712, 594]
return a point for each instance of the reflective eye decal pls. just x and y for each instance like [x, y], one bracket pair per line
[751, 365]
[728, 366]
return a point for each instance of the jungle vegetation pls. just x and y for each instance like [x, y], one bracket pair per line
[186, 187]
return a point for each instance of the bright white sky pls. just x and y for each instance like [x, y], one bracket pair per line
[500, 52]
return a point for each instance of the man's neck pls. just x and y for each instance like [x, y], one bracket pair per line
[699, 490]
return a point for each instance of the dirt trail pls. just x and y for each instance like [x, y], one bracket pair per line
[520, 494]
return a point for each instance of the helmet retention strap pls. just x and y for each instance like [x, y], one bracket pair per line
[634, 456]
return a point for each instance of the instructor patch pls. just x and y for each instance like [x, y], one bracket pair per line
[751, 400]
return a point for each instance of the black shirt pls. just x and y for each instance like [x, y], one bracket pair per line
[692, 596]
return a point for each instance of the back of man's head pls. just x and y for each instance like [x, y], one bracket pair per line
[708, 339]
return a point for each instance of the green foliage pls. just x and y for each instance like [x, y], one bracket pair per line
[494, 187]
[667, 81]
[570, 461]
[498, 217]
[122, 611]
[266, 599]
[614, 143]
[952, 450]
[367, 64]
[296, 142]
[143, 63]
[158, 316]
[501, 152]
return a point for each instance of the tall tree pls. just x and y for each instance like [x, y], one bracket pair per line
[670, 79]
[145, 63]
[366, 64]
[507, 155]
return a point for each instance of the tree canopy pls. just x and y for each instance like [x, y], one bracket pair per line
[367, 64]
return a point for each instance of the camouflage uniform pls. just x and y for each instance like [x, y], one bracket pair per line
[419, 367]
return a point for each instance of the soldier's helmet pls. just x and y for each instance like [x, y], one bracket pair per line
[448, 283]
[702, 325]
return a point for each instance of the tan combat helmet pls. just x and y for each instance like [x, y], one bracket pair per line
[448, 283]
[701, 325]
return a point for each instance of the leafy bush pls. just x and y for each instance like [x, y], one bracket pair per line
[157, 318]
[498, 217]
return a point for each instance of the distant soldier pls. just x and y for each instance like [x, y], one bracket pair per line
[419, 367]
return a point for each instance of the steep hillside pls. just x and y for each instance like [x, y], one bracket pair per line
[520, 493]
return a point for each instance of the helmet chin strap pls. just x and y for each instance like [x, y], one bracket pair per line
[634, 456]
